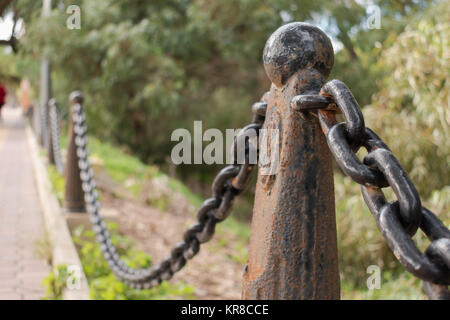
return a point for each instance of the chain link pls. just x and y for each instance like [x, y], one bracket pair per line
[229, 182]
[54, 131]
[398, 221]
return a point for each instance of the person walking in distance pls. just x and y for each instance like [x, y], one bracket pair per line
[3, 93]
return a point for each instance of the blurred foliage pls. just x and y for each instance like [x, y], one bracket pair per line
[102, 282]
[55, 283]
[58, 183]
[411, 111]
[8, 70]
[393, 286]
[149, 67]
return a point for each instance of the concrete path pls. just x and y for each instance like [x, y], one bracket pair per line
[22, 234]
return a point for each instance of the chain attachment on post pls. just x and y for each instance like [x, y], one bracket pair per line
[398, 221]
[229, 182]
[308, 102]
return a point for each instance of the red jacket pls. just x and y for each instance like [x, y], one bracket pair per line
[2, 94]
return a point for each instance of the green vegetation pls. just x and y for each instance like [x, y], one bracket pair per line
[398, 286]
[411, 112]
[55, 283]
[147, 68]
[58, 183]
[120, 166]
[43, 247]
[102, 282]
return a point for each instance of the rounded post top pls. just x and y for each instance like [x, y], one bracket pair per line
[76, 97]
[296, 46]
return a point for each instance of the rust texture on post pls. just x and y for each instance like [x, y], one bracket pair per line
[74, 195]
[293, 246]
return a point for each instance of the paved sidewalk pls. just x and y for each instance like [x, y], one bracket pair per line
[21, 224]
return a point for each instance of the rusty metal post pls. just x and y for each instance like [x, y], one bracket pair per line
[293, 246]
[74, 195]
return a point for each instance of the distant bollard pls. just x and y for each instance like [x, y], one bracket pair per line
[42, 125]
[293, 246]
[74, 195]
[44, 96]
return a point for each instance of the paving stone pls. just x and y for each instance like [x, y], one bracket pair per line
[10, 296]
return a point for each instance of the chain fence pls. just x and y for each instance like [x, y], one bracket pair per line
[228, 183]
[398, 221]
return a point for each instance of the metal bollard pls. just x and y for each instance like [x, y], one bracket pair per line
[74, 195]
[293, 246]
[50, 151]
[44, 96]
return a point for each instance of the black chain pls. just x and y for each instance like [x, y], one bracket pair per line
[398, 221]
[229, 182]
[54, 131]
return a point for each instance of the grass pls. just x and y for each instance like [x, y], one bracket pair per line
[393, 286]
[102, 282]
[55, 283]
[123, 167]
[58, 183]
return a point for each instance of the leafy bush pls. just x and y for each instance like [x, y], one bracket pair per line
[411, 114]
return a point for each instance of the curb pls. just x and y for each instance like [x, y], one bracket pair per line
[63, 249]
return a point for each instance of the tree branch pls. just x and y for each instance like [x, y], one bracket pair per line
[12, 42]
